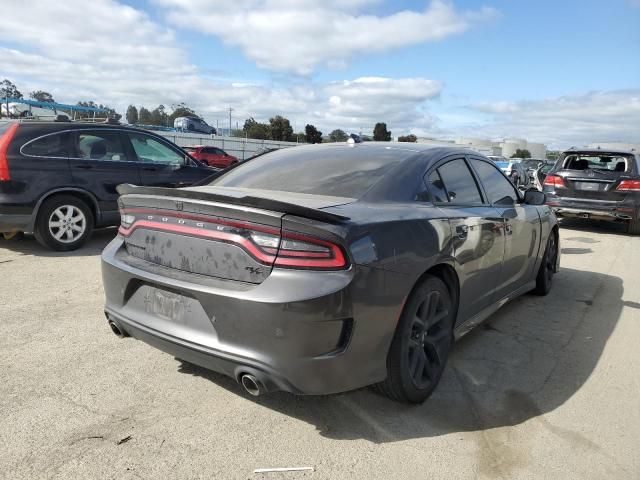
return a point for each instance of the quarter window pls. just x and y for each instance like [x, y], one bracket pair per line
[151, 150]
[104, 146]
[48, 146]
[499, 190]
[458, 183]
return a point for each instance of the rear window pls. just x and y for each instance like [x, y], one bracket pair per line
[615, 163]
[340, 172]
[56, 145]
[4, 126]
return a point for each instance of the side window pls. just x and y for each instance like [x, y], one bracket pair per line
[96, 145]
[209, 150]
[149, 149]
[56, 145]
[436, 186]
[499, 190]
[457, 180]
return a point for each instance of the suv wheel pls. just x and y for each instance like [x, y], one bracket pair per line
[421, 343]
[544, 279]
[633, 228]
[64, 223]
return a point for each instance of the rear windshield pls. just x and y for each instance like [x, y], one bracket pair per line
[340, 172]
[615, 163]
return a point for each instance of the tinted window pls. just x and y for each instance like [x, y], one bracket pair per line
[48, 146]
[459, 183]
[436, 186]
[336, 171]
[498, 189]
[93, 145]
[149, 149]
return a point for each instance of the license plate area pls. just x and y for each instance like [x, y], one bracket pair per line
[590, 186]
[168, 305]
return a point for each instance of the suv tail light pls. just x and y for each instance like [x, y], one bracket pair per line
[555, 181]
[5, 141]
[267, 245]
[629, 186]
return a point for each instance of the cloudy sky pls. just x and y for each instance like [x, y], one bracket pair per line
[560, 72]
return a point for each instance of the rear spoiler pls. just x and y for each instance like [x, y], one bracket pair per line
[246, 201]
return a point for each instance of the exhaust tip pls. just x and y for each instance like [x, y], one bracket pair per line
[115, 329]
[251, 385]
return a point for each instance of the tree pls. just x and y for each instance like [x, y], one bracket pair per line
[181, 110]
[253, 129]
[9, 90]
[132, 114]
[300, 137]
[159, 116]
[281, 129]
[380, 132]
[521, 153]
[144, 116]
[42, 96]
[312, 134]
[338, 136]
[408, 138]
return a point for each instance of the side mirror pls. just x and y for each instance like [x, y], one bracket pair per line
[534, 197]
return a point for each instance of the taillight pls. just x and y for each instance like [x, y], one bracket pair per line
[629, 186]
[555, 181]
[5, 141]
[267, 245]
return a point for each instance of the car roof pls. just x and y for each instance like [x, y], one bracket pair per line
[56, 126]
[399, 149]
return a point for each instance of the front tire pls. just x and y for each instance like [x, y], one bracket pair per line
[544, 279]
[64, 223]
[421, 343]
[633, 228]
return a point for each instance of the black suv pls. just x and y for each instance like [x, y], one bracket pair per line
[598, 184]
[58, 179]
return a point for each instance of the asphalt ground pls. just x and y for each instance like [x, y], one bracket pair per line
[548, 388]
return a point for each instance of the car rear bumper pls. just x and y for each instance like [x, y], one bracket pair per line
[601, 210]
[298, 331]
[15, 223]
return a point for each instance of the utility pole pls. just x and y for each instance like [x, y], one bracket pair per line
[230, 110]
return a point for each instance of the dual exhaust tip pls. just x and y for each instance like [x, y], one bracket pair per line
[249, 382]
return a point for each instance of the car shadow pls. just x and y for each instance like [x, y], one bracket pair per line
[530, 358]
[600, 226]
[28, 245]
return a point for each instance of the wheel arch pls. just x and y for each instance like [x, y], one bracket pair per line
[80, 193]
[447, 273]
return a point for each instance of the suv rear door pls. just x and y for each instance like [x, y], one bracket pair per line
[99, 162]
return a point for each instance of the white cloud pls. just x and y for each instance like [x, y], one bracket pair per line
[598, 116]
[298, 36]
[114, 54]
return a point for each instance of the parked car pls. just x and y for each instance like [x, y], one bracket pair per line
[193, 124]
[325, 268]
[530, 165]
[58, 179]
[514, 170]
[597, 184]
[212, 156]
[541, 173]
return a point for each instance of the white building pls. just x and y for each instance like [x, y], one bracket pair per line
[630, 147]
[505, 148]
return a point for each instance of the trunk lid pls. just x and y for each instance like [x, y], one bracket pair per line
[233, 234]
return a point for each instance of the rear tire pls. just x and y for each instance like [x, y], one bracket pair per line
[544, 279]
[64, 223]
[421, 343]
[634, 227]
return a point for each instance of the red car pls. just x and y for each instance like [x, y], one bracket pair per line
[212, 156]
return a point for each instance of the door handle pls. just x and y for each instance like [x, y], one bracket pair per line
[150, 169]
[462, 231]
[85, 166]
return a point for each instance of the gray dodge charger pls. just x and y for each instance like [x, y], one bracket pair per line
[326, 268]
